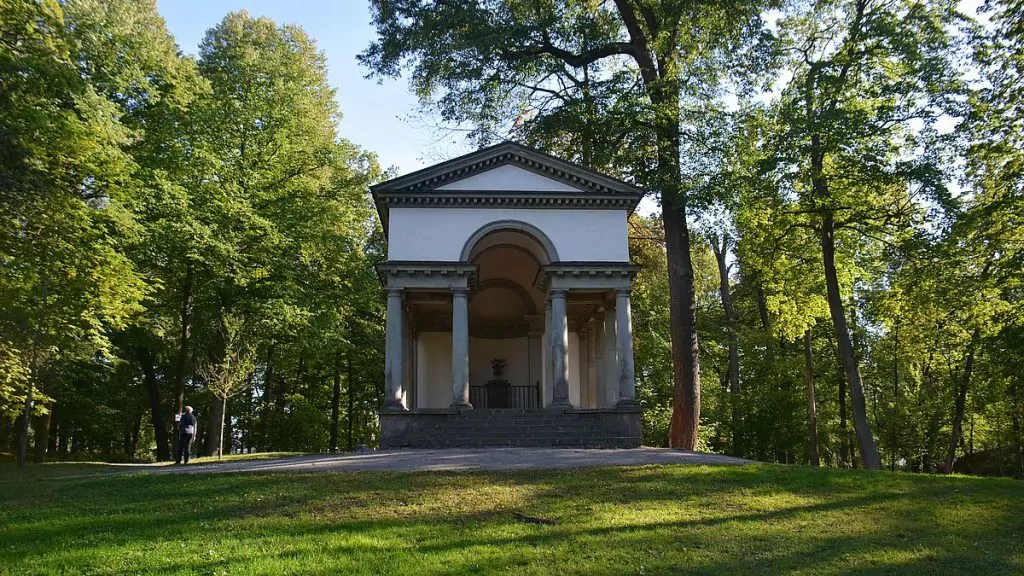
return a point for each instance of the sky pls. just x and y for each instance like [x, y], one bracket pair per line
[375, 116]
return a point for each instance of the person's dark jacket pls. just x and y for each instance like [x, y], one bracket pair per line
[186, 421]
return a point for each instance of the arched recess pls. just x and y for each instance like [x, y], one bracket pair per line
[513, 287]
[550, 253]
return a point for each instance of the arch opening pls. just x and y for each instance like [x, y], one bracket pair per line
[514, 232]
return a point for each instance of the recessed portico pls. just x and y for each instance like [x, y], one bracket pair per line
[491, 317]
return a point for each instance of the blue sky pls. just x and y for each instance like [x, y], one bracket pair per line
[374, 116]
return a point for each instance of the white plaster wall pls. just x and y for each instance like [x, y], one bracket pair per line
[434, 370]
[439, 234]
[510, 177]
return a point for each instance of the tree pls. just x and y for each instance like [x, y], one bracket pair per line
[862, 71]
[487, 62]
[62, 186]
[230, 375]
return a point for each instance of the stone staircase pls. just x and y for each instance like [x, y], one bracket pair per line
[511, 428]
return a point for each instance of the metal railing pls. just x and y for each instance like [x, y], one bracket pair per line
[500, 395]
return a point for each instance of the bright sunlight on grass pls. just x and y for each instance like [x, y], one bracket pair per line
[646, 520]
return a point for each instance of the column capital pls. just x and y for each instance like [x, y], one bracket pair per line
[464, 292]
[394, 292]
[623, 291]
[558, 292]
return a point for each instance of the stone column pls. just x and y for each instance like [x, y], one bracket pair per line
[593, 390]
[610, 368]
[545, 357]
[624, 348]
[600, 370]
[559, 350]
[460, 348]
[393, 349]
[583, 335]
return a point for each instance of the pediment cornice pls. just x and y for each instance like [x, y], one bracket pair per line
[424, 187]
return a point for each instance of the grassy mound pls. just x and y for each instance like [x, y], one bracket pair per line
[644, 520]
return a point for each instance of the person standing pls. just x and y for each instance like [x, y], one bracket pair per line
[186, 433]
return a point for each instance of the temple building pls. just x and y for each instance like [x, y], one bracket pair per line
[508, 304]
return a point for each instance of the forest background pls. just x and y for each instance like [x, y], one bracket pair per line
[832, 274]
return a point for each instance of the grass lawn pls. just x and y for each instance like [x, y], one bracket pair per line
[645, 520]
[9, 469]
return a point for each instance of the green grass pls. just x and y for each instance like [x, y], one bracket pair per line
[759, 519]
[9, 469]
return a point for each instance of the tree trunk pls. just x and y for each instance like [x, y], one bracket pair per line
[894, 434]
[350, 391]
[812, 408]
[733, 373]
[5, 432]
[26, 418]
[335, 402]
[685, 423]
[181, 362]
[136, 434]
[64, 429]
[215, 426]
[1015, 407]
[865, 439]
[42, 437]
[844, 435]
[268, 400]
[762, 306]
[156, 411]
[961, 403]
[227, 434]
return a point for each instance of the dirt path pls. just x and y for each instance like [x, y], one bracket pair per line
[449, 460]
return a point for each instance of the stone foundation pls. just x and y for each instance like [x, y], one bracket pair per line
[549, 427]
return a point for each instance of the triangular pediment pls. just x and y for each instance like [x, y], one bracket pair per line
[527, 169]
[507, 175]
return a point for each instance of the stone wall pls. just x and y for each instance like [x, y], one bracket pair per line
[448, 428]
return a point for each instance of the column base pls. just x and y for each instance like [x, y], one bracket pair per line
[627, 404]
[461, 406]
[394, 407]
[562, 404]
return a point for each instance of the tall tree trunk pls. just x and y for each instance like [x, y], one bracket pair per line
[27, 412]
[685, 423]
[865, 439]
[5, 431]
[733, 373]
[268, 401]
[42, 437]
[350, 392]
[21, 439]
[136, 434]
[335, 401]
[156, 411]
[894, 435]
[961, 402]
[812, 408]
[215, 426]
[1015, 416]
[844, 435]
[64, 429]
[184, 339]
[762, 306]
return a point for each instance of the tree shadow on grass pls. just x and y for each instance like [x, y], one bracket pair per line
[448, 523]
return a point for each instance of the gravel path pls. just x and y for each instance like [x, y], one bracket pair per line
[456, 459]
